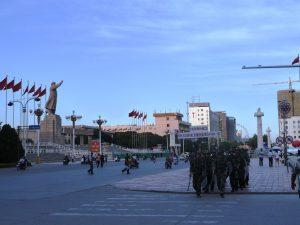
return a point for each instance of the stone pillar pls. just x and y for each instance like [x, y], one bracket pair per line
[259, 114]
[269, 137]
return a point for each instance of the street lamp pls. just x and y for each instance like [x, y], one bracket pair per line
[73, 118]
[100, 122]
[24, 109]
[38, 112]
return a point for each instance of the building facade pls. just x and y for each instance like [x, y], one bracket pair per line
[200, 114]
[169, 123]
[231, 128]
[292, 122]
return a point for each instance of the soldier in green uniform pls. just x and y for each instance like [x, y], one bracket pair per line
[209, 171]
[197, 171]
[221, 171]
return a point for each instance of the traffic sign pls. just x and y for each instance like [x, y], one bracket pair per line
[34, 127]
[279, 140]
[289, 140]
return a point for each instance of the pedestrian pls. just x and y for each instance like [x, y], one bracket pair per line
[296, 176]
[91, 169]
[197, 171]
[261, 158]
[105, 157]
[221, 172]
[209, 170]
[102, 160]
[127, 164]
[277, 158]
[98, 159]
[270, 155]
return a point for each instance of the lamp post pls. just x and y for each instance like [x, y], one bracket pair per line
[73, 118]
[24, 110]
[100, 122]
[38, 112]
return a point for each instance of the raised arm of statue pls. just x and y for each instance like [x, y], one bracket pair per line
[58, 85]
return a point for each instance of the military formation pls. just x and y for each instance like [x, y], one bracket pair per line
[210, 168]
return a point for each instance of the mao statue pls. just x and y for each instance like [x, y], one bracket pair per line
[52, 100]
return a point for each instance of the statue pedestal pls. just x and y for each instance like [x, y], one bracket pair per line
[51, 129]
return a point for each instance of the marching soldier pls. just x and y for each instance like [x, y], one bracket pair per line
[209, 169]
[197, 170]
[221, 172]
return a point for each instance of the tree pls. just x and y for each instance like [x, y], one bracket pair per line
[252, 142]
[11, 148]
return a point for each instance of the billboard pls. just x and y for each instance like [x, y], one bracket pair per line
[195, 135]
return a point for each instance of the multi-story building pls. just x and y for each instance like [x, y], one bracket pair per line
[201, 114]
[170, 122]
[292, 122]
[223, 125]
[231, 128]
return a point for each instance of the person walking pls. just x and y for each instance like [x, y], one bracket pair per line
[261, 158]
[221, 172]
[91, 169]
[98, 159]
[277, 158]
[197, 171]
[270, 155]
[102, 159]
[127, 164]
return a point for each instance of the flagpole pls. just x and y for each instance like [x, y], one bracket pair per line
[13, 109]
[6, 104]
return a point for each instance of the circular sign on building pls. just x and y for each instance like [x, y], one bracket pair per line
[289, 140]
[279, 140]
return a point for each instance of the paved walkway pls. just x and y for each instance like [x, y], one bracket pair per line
[262, 180]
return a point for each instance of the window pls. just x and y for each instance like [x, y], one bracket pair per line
[295, 136]
[294, 121]
[202, 110]
[168, 125]
[168, 117]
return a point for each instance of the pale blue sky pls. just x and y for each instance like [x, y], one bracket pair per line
[116, 55]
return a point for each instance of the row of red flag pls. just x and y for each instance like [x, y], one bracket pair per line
[136, 114]
[5, 85]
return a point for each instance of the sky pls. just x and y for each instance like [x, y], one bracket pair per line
[151, 55]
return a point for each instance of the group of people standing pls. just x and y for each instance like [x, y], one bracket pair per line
[100, 159]
[208, 168]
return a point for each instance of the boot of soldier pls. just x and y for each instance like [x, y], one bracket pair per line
[198, 195]
[222, 195]
[299, 193]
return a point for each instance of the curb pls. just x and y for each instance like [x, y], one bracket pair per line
[210, 193]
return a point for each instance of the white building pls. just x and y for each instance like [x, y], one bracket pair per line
[292, 126]
[200, 114]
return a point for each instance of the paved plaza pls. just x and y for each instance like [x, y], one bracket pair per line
[262, 180]
[48, 194]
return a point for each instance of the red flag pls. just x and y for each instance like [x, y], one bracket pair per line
[296, 60]
[3, 83]
[136, 114]
[17, 87]
[32, 89]
[42, 93]
[38, 91]
[26, 90]
[10, 85]
[145, 117]
[131, 114]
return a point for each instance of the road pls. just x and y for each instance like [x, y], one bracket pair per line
[53, 194]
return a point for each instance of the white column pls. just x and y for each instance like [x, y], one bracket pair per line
[259, 114]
